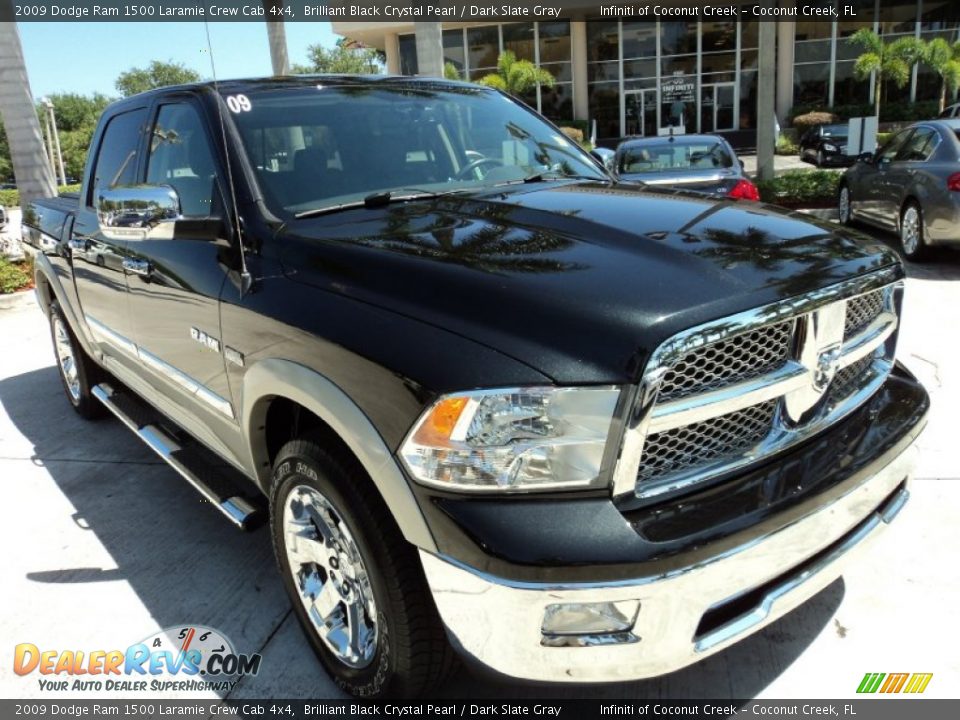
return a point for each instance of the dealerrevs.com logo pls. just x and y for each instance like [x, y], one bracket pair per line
[182, 658]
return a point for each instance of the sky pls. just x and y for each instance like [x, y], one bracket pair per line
[87, 57]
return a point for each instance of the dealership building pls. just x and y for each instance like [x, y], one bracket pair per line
[633, 76]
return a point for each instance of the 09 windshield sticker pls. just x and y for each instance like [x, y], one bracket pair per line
[239, 103]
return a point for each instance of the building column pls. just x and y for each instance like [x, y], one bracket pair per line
[786, 32]
[391, 47]
[429, 49]
[578, 58]
[766, 100]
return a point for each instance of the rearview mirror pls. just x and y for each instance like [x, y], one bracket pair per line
[137, 210]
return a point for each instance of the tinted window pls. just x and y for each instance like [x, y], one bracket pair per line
[180, 157]
[834, 130]
[919, 147]
[656, 157]
[117, 161]
[890, 150]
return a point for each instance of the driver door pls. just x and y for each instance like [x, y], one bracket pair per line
[176, 281]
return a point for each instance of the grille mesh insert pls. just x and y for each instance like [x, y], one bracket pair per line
[850, 379]
[688, 447]
[861, 311]
[732, 360]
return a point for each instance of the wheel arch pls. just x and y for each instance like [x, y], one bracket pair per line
[49, 290]
[273, 388]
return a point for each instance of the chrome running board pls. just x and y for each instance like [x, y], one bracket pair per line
[194, 463]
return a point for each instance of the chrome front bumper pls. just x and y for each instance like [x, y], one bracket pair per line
[498, 623]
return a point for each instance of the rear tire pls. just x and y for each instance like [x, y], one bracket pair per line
[345, 562]
[912, 239]
[844, 206]
[78, 372]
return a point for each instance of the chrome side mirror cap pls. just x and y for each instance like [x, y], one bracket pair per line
[137, 211]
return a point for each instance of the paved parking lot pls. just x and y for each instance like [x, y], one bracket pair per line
[103, 545]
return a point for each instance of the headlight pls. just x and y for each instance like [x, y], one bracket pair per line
[540, 438]
[829, 148]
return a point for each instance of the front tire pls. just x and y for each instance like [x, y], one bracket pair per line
[356, 585]
[78, 372]
[912, 239]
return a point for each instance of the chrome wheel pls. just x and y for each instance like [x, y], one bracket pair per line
[63, 344]
[910, 230]
[330, 576]
[844, 205]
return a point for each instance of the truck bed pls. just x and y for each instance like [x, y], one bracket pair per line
[44, 219]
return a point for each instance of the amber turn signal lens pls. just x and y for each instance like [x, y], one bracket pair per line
[439, 425]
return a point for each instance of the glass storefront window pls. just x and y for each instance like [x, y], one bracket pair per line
[408, 54]
[483, 45]
[639, 69]
[602, 42]
[603, 71]
[554, 41]
[556, 103]
[561, 72]
[639, 39]
[686, 64]
[719, 62]
[939, 15]
[748, 100]
[677, 38]
[846, 88]
[898, 17]
[453, 48]
[519, 39]
[604, 102]
[717, 36]
[810, 83]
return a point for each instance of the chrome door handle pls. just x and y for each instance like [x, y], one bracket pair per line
[137, 267]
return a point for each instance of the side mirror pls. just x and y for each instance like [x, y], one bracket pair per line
[605, 157]
[137, 210]
[866, 157]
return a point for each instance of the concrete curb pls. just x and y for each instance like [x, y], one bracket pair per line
[17, 300]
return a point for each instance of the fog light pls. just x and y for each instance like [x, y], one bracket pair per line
[590, 618]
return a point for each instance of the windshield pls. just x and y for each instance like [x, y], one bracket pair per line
[319, 146]
[834, 130]
[676, 155]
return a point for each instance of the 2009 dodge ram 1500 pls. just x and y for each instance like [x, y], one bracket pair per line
[494, 400]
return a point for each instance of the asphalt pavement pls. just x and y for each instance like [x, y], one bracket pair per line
[103, 545]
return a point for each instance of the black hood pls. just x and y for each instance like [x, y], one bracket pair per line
[580, 281]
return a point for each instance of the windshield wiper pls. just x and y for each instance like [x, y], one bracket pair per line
[381, 199]
[542, 176]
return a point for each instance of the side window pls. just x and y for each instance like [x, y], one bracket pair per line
[117, 159]
[919, 147]
[180, 157]
[890, 150]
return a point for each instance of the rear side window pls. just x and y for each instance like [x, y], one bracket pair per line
[117, 162]
[919, 147]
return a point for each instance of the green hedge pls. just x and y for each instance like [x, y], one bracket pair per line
[889, 112]
[11, 198]
[786, 146]
[14, 276]
[801, 187]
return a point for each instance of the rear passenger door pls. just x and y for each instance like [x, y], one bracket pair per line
[97, 253]
[177, 280]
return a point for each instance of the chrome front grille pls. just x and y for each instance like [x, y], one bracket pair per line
[694, 445]
[726, 394]
[861, 311]
[729, 361]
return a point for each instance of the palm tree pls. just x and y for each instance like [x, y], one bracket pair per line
[277, 36]
[944, 58]
[30, 166]
[517, 77]
[886, 61]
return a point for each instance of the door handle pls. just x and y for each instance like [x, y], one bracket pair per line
[136, 267]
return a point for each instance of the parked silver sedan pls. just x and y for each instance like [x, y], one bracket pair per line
[911, 185]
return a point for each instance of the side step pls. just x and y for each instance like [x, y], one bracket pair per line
[219, 483]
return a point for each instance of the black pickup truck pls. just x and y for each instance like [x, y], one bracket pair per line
[490, 399]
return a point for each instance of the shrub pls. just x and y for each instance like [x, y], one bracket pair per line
[786, 146]
[14, 276]
[901, 111]
[812, 119]
[11, 198]
[573, 133]
[801, 187]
